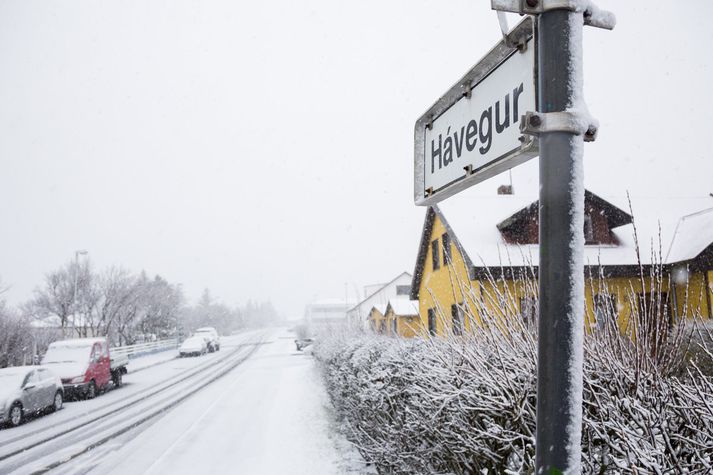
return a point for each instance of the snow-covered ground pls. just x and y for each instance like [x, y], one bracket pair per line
[43, 441]
[270, 415]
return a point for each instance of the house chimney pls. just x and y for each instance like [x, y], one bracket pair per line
[505, 190]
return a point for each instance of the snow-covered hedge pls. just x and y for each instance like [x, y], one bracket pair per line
[464, 404]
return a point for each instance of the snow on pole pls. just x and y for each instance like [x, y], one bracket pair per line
[561, 319]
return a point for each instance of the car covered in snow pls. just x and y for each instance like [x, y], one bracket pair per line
[26, 390]
[213, 337]
[195, 345]
[85, 365]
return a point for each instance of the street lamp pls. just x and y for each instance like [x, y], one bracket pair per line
[82, 252]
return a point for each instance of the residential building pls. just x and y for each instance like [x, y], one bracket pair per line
[327, 311]
[376, 319]
[481, 253]
[402, 319]
[399, 286]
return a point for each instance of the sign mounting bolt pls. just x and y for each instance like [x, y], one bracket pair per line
[532, 3]
[535, 120]
[591, 134]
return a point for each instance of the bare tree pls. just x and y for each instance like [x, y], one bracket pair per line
[111, 300]
[56, 297]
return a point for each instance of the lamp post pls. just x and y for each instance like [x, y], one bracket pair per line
[77, 253]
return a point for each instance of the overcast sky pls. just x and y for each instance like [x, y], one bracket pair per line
[264, 150]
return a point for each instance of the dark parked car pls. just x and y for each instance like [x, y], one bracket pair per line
[28, 390]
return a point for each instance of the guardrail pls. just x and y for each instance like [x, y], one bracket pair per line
[133, 351]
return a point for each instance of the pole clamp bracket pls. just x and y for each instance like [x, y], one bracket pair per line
[593, 16]
[536, 123]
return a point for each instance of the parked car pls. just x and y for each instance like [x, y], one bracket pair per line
[85, 365]
[302, 343]
[213, 338]
[28, 390]
[194, 345]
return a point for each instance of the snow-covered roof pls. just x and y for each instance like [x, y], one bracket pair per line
[52, 321]
[693, 234]
[379, 307]
[403, 307]
[473, 221]
[379, 289]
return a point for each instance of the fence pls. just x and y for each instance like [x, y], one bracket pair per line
[133, 351]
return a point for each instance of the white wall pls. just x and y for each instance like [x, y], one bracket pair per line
[359, 314]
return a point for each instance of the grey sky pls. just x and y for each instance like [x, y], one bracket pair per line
[264, 149]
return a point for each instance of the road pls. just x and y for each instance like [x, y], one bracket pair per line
[46, 442]
[268, 415]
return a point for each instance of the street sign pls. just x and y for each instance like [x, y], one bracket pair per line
[473, 132]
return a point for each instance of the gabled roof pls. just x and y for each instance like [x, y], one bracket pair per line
[380, 289]
[615, 216]
[403, 307]
[467, 207]
[693, 234]
[473, 221]
[379, 307]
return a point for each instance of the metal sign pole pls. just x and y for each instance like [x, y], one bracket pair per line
[561, 271]
[562, 125]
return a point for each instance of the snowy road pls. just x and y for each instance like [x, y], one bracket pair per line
[48, 441]
[269, 415]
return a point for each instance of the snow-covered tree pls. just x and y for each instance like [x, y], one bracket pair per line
[15, 336]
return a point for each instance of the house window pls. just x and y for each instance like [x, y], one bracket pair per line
[382, 327]
[436, 254]
[403, 289]
[395, 326]
[529, 309]
[432, 321]
[588, 229]
[446, 248]
[457, 316]
[605, 308]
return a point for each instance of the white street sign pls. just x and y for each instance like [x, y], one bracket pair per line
[473, 132]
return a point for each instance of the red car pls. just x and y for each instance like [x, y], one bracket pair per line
[85, 365]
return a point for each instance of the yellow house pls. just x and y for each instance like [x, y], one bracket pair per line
[402, 318]
[481, 254]
[377, 322]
